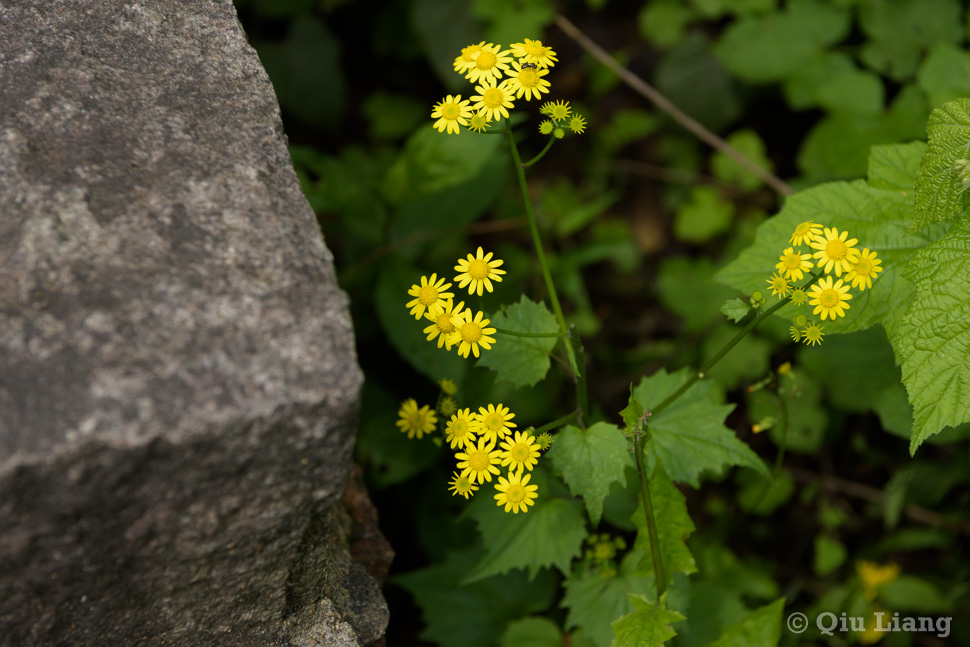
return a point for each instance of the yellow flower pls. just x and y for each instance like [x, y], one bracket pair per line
[460, 430]
[528, 81]
[798, 296]
[793, 265]
[779, 286]
[829, 299]
[450, 113]
[515, 493]
[443, 327]
[448, 387]
[519, 452]
[558, 110]
[471, 333]
[447, 406]
[466, 60]
[533, 51]
[493, 100]
[478, 462]
[873, 576]
[478, 272]
[834, 251]
[865, 269]
[805, 233]
[577, 124]
[488, 63]
[812, 335]
[478, 122]
[462, 485]
[494, 422]
[414, 421]
[429, 295]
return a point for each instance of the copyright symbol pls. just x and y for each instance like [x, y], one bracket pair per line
[797, 622]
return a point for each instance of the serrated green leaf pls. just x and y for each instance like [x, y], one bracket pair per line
[945, 74]
[932, 340]
[590, 461]
[674, 525]
[689, 436]
[760, 628]
[648, 626]
[940, 193]
[705, 215]
[551, 533]
[521, 361]
[532, 632]
[893, 167]
[632, 412]
[735, 310]
[594, 600]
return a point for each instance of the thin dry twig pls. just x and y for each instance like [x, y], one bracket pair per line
[662, 102]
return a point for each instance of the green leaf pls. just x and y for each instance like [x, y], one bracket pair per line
[802, 88]
[663, 23]
[932, 340]
[705, 215]
[551, 533]
[514, 20]
[674, 525]
[689, 436]
[687, 288]
[940, 191]
[735, 310]
[532, 632]
[458, 615]
[898, 31]
[852, 91]
[748, 360]
[829, 554]
[945, 74]
[521, 361]
[894, 167]
[911, 593]
[590, 461]
[648, 626]
[760, 496]
[595, 600]
[632, 412]
[694, 79]
[760, 628]
[749, 144]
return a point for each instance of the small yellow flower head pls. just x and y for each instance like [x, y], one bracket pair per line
[448, 387]
[528, 81]
[558, 110]
[546, 127]
[493, 100]
[466, 60]
[798, 297]
[430, 295]
[873, 576]
[443, 327]
[544, 440]
[515, 493]
[488, 63]
[779, 286]
[533, 51]
[577, 124]
[801, 321]
[478, 462]
[471, 333]
[494, 422]
[785, 368]
[864, 270]
[478, 272]
[812, 335]
[460, 430]
[828, 299]
[447, 406]
[793, 265]
[834, 251]
[478, 122]
[416, 422]
[558, 133]
[805, 233]
[462, 485]
[519, 452]
[451, 112]
[795, 333]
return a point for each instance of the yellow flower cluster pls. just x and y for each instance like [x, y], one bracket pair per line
[453, 324]
[502, 77]
[834, 253]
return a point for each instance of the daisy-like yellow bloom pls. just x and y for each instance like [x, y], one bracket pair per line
[431, 295]
[873, 576]
[577, 124]
[515, 493]
[828, 299]
[533, 51]
[478, 122]
[460, 430]
[478, 462]
[779, 286]
[478, 272]
[470, 333]
[798, 296]
[528, 81]
[488, 63]
[448, 387]
[558, 110]
[805, 233]
[466, 60]
[865, 269]
[451, 112]
[444, 323]
[493, 100]
[812, 334]
[795, 333]
[414, 421]
[544, 440]
[519, 452]
[546, 127]
[462, 485]
[494, 422]
[834, 251]
[794, 265]
[448, 406]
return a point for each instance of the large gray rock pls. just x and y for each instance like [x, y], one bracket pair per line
[178, 382]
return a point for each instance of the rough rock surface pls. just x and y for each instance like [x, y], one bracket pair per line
[178, 383]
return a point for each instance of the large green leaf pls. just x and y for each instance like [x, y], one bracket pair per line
[521, 361]
[942, 179]
[689, 436]
[648, 626]
[898, 31]
[760, 628]
[933, 338]
[673, 524]
[590, 461]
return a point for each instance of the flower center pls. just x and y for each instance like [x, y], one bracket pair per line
[793, 261]
[492, 98]
[471, 332]
[828, 298]
[560, 112]
[415, 420]
[515, 493]
[493, 421]
[532, 49]
[486, 61]
[459, 428]
[528, 77]
[478, 269]
[462, 484]
[520, 452]
[478, 460]
[427, 295]
[444, 323]
[450, 111]
[835, 249]
[863, 267]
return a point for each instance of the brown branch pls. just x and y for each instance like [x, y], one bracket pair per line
[662, 102]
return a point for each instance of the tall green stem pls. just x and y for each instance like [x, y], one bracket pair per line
[659, 573]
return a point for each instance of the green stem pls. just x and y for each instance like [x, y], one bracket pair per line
[516, 333]
[542, 153]
[556, 424]
[659, 574]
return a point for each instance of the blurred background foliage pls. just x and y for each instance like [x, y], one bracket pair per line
[638, 215]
